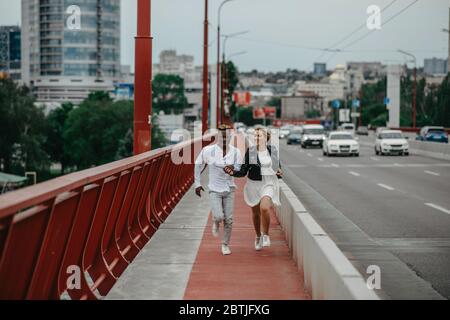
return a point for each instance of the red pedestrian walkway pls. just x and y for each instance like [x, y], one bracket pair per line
[246, 274]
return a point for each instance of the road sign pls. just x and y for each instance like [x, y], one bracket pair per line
[355, 114]
[356, 103]
[270, 112]
[264, 113]
[258, 113]
[387, 101]
[242, 98]
[344, 115]
[336, 104]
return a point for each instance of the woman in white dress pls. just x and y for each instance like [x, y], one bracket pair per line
[262, 191]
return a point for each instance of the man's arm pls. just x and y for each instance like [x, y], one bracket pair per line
[199, 163]
[244, 167]
[238, 161]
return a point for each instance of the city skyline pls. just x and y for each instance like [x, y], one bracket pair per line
[174, 28]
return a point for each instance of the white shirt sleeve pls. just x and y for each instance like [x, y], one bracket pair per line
[199, 162]
[238, 161]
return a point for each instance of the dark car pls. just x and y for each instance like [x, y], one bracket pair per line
[433, 134]
[294, 138]
[362, 131]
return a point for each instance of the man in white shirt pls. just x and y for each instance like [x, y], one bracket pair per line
[221, 186]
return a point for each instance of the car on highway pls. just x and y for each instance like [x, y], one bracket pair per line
[250, 131]
[285, 131]
[349, 127]
[433, 134]
[391, 142]
[240, 127]
[379, 130]
[340, 143]
[312, 135]
[362, 131]
[294, 138]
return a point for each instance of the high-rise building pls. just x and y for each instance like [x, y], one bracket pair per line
[64, 60]
[181, 65]
[10, 51]
[435, 66]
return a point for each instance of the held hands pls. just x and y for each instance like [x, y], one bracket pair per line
[229, 170]
[279, 173]
[198, 191]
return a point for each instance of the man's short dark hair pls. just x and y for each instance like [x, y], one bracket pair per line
[224, 127]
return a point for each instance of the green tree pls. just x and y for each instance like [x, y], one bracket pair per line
[374, 111]
[442, 99]
[168, 94]
[125, 148]
[232, 81]
[54, 146]
[245, 115]
[93, 130]
[275, 102]
[22, 130]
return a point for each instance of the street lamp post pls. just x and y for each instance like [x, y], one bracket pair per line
[414, 106]
[226, 37]
[205, 73]
[218, 95]
[143, 80]
[448, 59]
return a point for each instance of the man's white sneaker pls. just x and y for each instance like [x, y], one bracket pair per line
[226, 250]
[265, 240]
[258, 243]
[215, 229]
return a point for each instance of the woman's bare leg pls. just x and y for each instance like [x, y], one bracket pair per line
[257, 220]
[266, 206]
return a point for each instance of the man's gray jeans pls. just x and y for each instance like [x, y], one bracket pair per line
[222, 206]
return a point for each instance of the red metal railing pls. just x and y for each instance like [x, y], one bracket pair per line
[95, 221]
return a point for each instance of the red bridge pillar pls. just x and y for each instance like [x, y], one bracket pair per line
[143, 79]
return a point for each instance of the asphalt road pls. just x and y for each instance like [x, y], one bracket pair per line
[396, 209]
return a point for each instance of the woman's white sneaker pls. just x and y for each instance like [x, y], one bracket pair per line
[258, 243]
[226, 250]
[265, 240]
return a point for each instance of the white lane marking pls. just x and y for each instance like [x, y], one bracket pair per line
[374, 159]
[432, 205]
[320, 159]
[356, 174]
[432, 173]
[309, 155]
[386, 187]
[335, 165]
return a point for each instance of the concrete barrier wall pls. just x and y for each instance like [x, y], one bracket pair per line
[431, 149]
[328, 274]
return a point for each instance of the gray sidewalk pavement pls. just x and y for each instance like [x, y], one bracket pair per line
[161, 270]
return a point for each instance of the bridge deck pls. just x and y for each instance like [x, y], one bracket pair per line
[184, 261]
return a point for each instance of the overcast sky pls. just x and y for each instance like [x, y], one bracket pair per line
[286, 33]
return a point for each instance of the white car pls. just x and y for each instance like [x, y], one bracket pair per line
[312, 135]
[391, 141]
[340, 143]
[285, 131]
[349, 127]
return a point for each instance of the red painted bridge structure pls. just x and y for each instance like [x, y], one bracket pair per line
[92, 224]
[98, 220]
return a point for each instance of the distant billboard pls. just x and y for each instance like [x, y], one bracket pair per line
[270, 112]
[242, 98]
[264, 113]
[258, 113]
